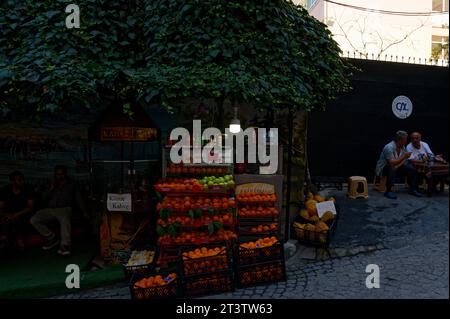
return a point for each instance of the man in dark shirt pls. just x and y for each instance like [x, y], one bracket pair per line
[63, 195]
[16, 206]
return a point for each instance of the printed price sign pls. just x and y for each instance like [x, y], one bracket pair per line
[119, 202]
[255, 188]
[324, 207]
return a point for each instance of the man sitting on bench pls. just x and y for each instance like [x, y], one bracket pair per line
[63, 195]
[394, 161]
[421, 151]
[16, 207]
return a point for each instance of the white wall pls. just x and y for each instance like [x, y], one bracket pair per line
[378, 34]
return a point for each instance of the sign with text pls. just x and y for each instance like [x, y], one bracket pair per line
[118, 202]
[402, 107]
[255, 188]
[324, 207]
[128, 134]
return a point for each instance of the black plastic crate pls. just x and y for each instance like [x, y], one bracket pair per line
[261, 273]
[249, 256]
[213, 283]
[255, 204]
[316, 238]
[171, 290]
[140, 269]
[258, 220]
[245, 230]
[205, 265]
[313, 238]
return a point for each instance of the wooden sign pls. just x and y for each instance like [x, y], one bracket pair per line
[128, 134]
[255, 188]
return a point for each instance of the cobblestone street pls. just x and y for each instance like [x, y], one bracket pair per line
[407, 238]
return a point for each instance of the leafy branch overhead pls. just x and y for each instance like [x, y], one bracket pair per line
[267, 52]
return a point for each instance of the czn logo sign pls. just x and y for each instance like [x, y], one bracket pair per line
[402, 107]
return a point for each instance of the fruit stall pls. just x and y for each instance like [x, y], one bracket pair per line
[215, 232]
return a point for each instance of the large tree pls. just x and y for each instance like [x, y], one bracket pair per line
[268, 53]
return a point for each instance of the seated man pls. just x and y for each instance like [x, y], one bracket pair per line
[16, 206]
[393, 161]
[62, 197]
[420, 151]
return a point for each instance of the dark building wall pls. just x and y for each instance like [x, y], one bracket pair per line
[347, 138]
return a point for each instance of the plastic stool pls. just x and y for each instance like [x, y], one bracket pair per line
[357, 187]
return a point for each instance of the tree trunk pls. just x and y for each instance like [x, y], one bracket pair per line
[299, 142]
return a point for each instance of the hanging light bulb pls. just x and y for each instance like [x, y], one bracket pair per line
[235, 124]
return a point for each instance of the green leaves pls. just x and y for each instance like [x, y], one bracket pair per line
[160, 230]
[260, 52]
[173, 229]
[165, 213]
[214, 53]
[214, 227]
[76, 63]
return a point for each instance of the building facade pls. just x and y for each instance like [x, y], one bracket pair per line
[414, 31]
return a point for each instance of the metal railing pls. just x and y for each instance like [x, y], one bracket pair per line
[396, 58]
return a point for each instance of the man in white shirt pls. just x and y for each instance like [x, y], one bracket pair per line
[421, 151]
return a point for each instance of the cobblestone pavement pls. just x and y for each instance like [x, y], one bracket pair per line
[407, 238]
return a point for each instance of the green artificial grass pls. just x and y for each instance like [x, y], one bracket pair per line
[36, 273]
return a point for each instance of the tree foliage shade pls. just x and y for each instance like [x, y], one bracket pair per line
[266, 52]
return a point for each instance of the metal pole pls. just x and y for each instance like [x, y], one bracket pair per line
[91, 183]
[121, 164]
[288, 180]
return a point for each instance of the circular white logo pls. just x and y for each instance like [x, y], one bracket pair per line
[402, 107]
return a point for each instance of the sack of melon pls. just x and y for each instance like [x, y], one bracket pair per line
[309, 213]
[308, 225]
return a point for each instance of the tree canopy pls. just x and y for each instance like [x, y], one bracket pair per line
[266, 52]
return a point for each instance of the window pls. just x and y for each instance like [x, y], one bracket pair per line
[439, 47]
[311, 3]
[440, 5]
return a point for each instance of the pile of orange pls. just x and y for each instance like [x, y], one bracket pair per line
[222, 235]
[215, 259]
[155, 281]
[258, 212]
[182, 204]
[251, 197]
[197, 237]
[180, 185]
[260, 243]
[182, 220]
[264, 228]
[203, 252]
[226, 219]
[186, 221]
[180, 169]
